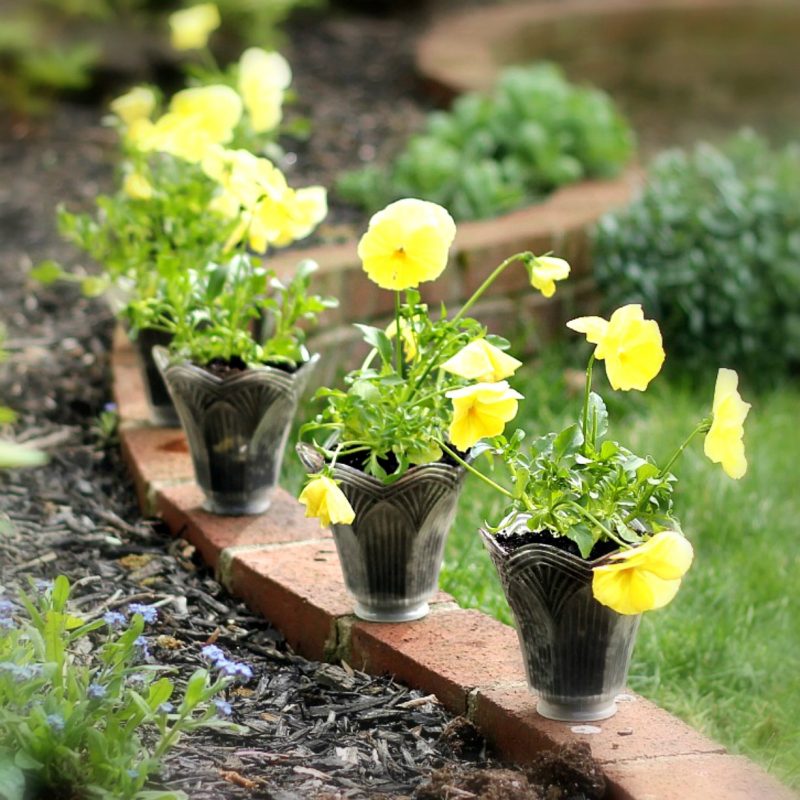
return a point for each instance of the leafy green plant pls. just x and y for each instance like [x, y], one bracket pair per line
[76, 696]
[490, 154]
[712, 249]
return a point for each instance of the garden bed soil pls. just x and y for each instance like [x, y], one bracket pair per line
[312, 729]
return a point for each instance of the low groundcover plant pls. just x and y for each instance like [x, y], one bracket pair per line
[433, 384]
[576, 488]
[77, 696]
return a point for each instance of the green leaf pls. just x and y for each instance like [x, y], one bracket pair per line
[12, 780]
[47, 272]
[93, 286]
[195, 688]
[598, 416]
[582, 536]
[17, 455]
[571, 438]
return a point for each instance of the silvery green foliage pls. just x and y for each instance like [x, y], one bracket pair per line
[712, 250]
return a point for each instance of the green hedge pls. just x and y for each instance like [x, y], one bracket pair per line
[712, 251]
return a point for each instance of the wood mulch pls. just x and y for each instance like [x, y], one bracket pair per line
[313, 730]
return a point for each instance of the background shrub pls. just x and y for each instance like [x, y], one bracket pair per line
[492, 153]
[712, 250]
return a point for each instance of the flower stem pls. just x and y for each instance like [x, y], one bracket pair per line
[488, 282]
[398, 339]
[477, 473]
[593, 519]
[586, 393]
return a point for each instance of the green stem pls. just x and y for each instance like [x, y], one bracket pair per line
[477, 473]
[664, 471]
[593, 519]
[398, 339]
[586, 393]
[487, 283]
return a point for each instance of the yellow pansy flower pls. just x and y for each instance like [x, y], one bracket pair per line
[134, 105]
[190, 27]
[408, 337]
[644, 577]
[326, 501]
[546, 270]
[724, 441]
[481, 361]
[263, 78]
[630, 345]
[407, 243]
[481, 410]
[137, 187]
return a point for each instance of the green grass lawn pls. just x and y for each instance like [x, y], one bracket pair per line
[725, 655]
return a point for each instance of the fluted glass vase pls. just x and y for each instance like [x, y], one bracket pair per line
[236, 427]
[576, 651]
[391, 553]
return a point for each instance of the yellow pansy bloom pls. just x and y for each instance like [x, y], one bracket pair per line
[724, 441]
[481, 410]
[481, 361]
[630, 345]
[197, 119]
[134, 105]
[546, 270]
[644, 577]
[408, 337]
[137, 187]
[190, 27]
[408, 242]
[326, 501]
[263, 78]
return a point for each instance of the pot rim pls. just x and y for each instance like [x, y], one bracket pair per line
[162, 359]
[490, 540]
[312, 459]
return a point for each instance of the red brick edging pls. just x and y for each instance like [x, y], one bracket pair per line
[285, 567]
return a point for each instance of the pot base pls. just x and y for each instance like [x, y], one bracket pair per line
[590, 712]
[164, 416]
[236, 509]
[387, 615]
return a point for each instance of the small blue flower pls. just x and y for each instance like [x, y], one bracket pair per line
[111, 407]
[42, 585]
[140, 643]
[236, 670]
[133, 773]
[223, 708]
[96, 691]
[114, 619]
[166, 708]
[6, 623]
[56, 722]
[6, 607]
[213, 653]
[150, 613]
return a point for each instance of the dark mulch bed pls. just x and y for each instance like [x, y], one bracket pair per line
[313, 730]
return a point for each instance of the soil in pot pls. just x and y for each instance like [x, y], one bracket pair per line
[514, 540]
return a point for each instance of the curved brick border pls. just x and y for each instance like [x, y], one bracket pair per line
[284, 566]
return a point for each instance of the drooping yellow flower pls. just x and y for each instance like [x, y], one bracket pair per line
[408, 337]
[407, 243]
[197, 119]
[190, 27]
[137, 187]
[481, 361]
[644, 577]
[546, 271]
[263, 79]
[481, 410]
[724, 441]
[630, 345]
[134, 105]
[326, 501]
[272, 213]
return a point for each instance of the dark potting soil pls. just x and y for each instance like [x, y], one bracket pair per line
[312, 730]
[224, 368]
[360, 458]
[513, 541]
